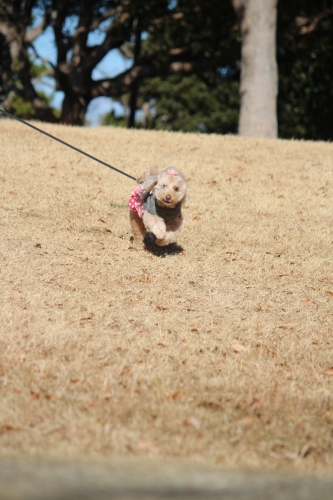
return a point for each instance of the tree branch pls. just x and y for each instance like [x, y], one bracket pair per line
[124, 82]
[9, 99]
[4, 29]
[47, 72]
[11, 38]
[178, 51]
[43, 59]
[306, 26]
[239, 7]
[34, 33]
[39, 78]
[93, 26]
[116, 35]
[43, 112]
[125, 51]
[60, 38]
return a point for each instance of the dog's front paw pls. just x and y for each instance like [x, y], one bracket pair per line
[149, 238]
[161, 242]
[165, 241]
[158, 231]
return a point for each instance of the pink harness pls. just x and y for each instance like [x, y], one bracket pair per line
[135, 202]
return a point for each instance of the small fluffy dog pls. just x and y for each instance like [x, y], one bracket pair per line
[155, 207]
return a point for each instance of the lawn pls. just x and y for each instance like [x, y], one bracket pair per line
[219, 351]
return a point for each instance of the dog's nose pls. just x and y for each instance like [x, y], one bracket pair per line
[168, 197]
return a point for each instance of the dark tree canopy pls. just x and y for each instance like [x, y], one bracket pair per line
[185, 60]
[121, 22]
[304, 52]
[208, 100]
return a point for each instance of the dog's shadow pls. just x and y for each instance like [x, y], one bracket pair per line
[172, 249]
[150, 245]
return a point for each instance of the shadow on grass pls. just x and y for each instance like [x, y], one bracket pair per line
[172, 249]
[151, 247]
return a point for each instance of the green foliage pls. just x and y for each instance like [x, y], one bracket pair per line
[204, 102]
[203, 27]
[113, 120]
[305, 100]
[188, 31]
[22, 108]
[188, 104]
[193, 104]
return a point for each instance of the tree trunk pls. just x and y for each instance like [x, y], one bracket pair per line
[15, 48]
[259, 75]
[28, 91]
[135, 87]
[73, 110]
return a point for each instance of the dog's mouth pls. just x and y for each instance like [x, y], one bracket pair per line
[166, 201]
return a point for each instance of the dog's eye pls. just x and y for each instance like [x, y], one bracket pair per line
[164, 186]
[176, 189]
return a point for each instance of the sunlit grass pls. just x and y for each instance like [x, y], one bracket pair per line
[220, 354]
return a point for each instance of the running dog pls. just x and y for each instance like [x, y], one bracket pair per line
[156, 207]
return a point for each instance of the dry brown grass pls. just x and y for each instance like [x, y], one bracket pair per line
[108, 351]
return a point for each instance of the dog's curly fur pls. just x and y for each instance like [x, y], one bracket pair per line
[169, 190]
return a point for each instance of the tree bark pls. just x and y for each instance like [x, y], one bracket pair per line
[259, 74]
[28, 91]
[135, 88]
[73, 111]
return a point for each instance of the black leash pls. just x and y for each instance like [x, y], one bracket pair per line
[66, 144]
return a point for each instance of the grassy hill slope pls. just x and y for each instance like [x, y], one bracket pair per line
[221, 353]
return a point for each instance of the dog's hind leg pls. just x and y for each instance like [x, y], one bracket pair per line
[138, 230]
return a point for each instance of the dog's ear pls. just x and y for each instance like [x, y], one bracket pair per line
[147, 185]
[149, 172]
